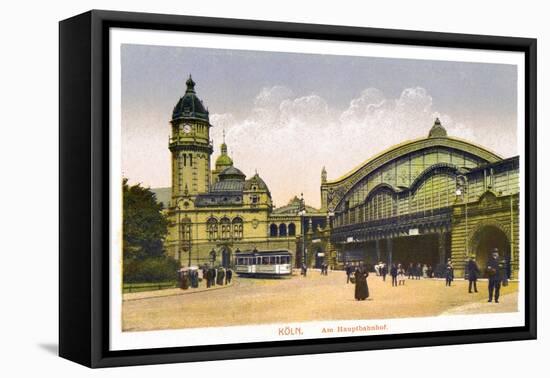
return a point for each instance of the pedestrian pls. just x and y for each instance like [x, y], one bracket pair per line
[220, 276]
[184, 280]
[361, 287]
[348, 272]
[212, 275]
[425, 271]
[304, 270]
[194, 277]
[393, 274]
[410, 271]
[449, 273]
[418, 271]
[400, 275]
[494, 273]
[384, 271]
[473, 272]
[228, 276]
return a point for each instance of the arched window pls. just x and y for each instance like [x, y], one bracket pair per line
[291, 229]
[212, 228]
[226, 228]
[282, 230]
[237, 228]
[273, 230]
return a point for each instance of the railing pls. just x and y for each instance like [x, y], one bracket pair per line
[146, 286]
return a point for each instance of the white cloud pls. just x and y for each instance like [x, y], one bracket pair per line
[288, 139]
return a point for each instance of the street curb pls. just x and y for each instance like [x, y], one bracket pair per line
[181, 293]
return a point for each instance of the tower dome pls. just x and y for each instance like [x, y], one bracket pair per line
[190, 106]
[437, 130]
[224, 160]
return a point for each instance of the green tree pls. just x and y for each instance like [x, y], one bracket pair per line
[144, 225]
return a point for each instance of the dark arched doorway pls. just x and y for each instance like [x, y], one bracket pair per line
[226, 257]
[485, 241]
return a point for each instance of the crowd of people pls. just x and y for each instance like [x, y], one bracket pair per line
[497, 270]
[192, 277]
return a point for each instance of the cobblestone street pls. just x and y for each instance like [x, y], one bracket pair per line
[315, 297]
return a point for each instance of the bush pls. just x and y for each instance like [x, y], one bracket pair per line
[152, 269]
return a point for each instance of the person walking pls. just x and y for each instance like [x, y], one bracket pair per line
[228, 276]
[383, 271]
[494, 271]
[473, 273]
[220, 276]
[410, 271]
[393, 274]
[349, 270]
[400, 275]
[361, 287]
[418, 271]
[449, 273]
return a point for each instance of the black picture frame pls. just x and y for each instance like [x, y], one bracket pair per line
[84, 187]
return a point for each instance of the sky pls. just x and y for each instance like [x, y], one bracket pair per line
[286, 115]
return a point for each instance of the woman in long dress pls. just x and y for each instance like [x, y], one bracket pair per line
[361, 287]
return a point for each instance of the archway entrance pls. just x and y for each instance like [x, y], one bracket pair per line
[485, 241]
[226, 257]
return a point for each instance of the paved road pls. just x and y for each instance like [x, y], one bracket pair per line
[316, 297]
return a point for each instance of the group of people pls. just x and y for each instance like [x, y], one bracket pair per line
[324, 269]
[497, 272]
[192, 276]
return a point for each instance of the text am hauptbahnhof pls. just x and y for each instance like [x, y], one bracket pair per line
[425, 200]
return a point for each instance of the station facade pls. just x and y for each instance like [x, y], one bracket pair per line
[426, 200]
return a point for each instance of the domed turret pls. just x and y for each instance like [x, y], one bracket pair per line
[190, 106]
[224, 160]
[437, 130]
[256, 184]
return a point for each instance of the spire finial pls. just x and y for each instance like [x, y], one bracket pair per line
[190, 85]
[223, 133]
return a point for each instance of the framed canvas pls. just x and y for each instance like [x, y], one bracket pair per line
[235, 188]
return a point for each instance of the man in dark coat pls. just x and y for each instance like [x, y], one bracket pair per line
[449, 273]
[495, 278]
[361, 287]
[383, 271]
[473, 274]
[228, 276]
[349, 270]
[393, 274]
[220, 277]
[211, 276]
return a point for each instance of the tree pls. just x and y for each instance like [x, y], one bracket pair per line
[144, 225]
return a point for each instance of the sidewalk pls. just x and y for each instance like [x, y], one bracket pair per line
[507, 303]
[171, 292]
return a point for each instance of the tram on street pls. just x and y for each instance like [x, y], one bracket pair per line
[267, 263]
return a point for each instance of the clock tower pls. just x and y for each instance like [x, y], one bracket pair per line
[190, 146]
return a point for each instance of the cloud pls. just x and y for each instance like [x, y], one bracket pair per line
[288, 139]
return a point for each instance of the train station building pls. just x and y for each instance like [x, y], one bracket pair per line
[426, 201]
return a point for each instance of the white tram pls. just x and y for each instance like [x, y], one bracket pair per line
[269, 263]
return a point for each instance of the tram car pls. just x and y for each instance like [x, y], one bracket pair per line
[268, 263]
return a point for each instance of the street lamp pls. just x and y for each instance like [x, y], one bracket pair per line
[462, 191]
[302, 213]
[213, 256]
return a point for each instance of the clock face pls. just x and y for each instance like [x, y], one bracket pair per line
[187, 128]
